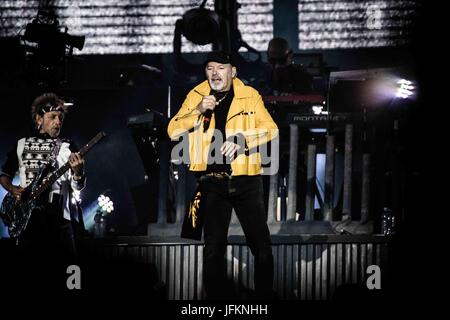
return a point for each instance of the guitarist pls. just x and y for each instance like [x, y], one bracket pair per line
[49, 235]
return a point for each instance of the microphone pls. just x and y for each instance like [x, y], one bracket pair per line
[207, 119]
[208, 113]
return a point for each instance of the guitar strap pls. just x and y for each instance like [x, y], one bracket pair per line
[54, 154]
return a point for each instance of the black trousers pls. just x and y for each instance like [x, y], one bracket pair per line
[245, 195]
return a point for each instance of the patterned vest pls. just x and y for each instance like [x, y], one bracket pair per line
[35, 155]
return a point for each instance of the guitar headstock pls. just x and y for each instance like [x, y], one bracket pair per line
[92, 142]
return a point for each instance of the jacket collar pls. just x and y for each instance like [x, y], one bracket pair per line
[240, 89]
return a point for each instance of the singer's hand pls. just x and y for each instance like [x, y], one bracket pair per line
[229, 149]
[208, 102]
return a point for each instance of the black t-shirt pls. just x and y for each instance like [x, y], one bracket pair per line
[220, 115]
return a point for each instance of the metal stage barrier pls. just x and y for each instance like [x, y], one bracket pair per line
[305, 267]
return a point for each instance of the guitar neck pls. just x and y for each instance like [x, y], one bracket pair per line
[50, 180]
[59, 172]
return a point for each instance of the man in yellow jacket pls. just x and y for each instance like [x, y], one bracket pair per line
[226, 123]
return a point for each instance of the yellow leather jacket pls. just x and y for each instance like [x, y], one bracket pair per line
[246, 117]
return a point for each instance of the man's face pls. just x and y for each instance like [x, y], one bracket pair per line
[277, 56]
[51, 123]
[220, 76]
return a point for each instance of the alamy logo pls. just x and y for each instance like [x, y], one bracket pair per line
[252, 149]
[74, 279]
[374, 15]
[374, 279]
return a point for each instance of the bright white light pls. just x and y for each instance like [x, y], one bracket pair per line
[105, 203]
[317, 109]
[405, 89]
[404, 81]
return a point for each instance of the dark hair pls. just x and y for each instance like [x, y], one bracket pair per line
[280, 43]
[46, 102]
[278, 50]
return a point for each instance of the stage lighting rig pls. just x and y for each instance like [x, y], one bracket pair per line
[51, 40]
[49, 45]
[202, 26]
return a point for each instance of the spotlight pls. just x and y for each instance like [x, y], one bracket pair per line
[49, 46]
[44, 34]
[405, 88]
[105, 203]
[74, 41]
[201, 26]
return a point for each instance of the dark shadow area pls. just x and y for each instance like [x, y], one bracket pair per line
[101, 280]
[358, 294]
[122, 280]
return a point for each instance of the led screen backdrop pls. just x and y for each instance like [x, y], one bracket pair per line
[147, 26]
[134, 26]
[354, 24]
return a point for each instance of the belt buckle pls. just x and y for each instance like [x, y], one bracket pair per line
[219, 175]
[225, 175]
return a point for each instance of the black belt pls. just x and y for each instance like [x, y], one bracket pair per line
[215, 175]
[219, 175]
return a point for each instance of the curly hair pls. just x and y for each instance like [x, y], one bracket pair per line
[44, 100]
